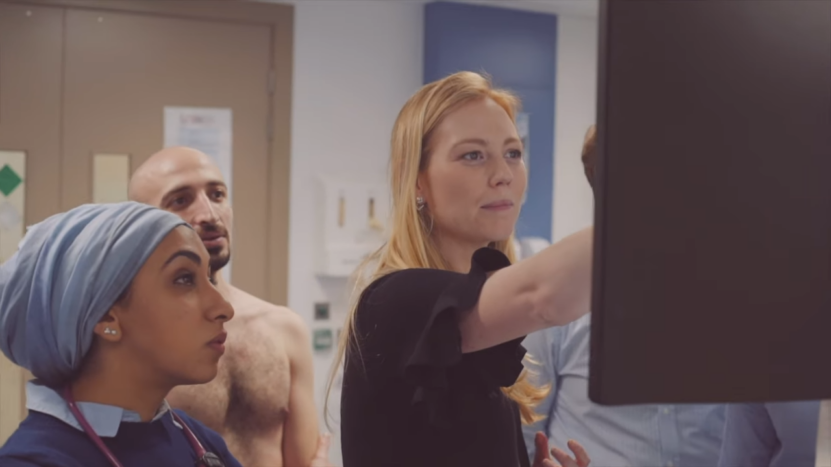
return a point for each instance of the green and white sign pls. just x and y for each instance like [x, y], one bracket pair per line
[12, 201]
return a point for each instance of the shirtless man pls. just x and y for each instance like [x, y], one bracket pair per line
[262, 400]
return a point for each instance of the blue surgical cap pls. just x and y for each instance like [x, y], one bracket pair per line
[67, 273]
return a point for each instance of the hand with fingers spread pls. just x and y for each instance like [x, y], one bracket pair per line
[542, 459]
[541, 455]
[321, 458]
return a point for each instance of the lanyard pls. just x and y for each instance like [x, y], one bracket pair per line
[205, 459]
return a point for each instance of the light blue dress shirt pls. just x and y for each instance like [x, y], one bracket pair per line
[614, 436]
[773, 434]
[104, 419]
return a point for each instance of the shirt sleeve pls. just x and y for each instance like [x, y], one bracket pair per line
[409, 331]
[749, 436]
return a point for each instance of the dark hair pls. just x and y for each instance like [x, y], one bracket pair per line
[589, 154]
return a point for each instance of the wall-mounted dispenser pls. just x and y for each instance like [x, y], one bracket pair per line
[352, 218]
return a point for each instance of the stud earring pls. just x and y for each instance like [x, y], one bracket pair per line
[420, 203]
[110, 331]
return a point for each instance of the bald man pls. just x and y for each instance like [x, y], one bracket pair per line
[262, 400]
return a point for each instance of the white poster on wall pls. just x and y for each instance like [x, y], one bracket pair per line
[523, 128]
[209, 130]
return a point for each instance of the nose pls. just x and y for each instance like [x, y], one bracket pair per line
[204, 211]
[503, 173]
[219, 309]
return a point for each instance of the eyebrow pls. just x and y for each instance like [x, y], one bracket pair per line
[217, 183]
[482, 142]
[187, 254]
[186, 188]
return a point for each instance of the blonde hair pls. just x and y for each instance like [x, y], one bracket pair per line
[410, 245]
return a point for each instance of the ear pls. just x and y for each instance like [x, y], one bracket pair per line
[421, 186]
[108, 328]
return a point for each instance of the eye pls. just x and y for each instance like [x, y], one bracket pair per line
[473, 156]
[185, 279]
[179, 202]
[515, 154]
[218, 195]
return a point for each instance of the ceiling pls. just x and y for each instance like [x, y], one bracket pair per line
[582, 8]
[578, 8]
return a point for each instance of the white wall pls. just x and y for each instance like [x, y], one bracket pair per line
[576, 103]
[356, 63]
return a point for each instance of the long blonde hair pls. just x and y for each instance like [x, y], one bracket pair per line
[410, 244]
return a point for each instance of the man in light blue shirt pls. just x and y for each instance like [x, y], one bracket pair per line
[613, 436]
[773, 434]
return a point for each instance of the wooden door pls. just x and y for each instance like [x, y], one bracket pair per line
[123, 69]
[30, 93]
[83, 88]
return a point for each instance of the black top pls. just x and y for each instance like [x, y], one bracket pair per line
[410, 397]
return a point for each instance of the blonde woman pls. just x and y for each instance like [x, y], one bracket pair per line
[433, 361]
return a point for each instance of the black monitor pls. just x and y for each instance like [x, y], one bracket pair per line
[712, 265]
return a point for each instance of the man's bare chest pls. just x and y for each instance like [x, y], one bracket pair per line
[250, 394]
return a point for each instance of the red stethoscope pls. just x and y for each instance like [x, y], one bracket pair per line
[205, 459]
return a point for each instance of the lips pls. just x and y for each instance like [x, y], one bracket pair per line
[212, 240]
[499, 205]
[218, 342]
[211, 232]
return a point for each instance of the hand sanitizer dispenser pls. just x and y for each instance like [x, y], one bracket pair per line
[352, 220]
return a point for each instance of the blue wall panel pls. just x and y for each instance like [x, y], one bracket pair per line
[518, 49]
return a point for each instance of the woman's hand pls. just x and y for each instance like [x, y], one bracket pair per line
[542, 459]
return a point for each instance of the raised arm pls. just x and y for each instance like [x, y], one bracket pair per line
[300, 434]
[551, 288]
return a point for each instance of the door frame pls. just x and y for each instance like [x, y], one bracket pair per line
[279, 18]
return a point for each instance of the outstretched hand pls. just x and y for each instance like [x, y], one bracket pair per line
[321, 458]
[542, 458]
